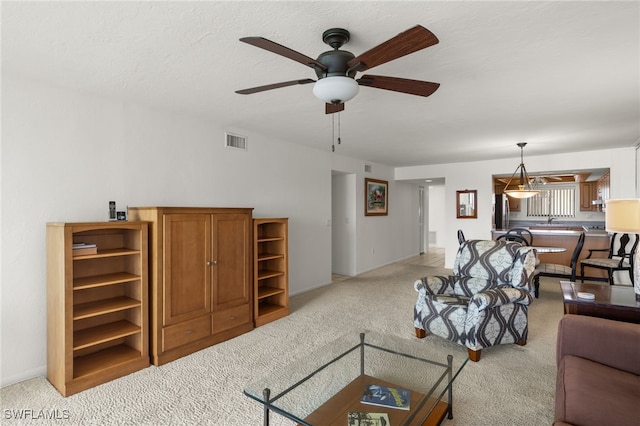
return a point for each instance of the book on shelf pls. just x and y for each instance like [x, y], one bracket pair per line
[83, 249]
[367, 419]
[386, 397]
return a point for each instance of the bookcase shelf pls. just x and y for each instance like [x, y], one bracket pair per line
[270, 269]
[103, 280]
[103, 333]
[97, 309]
[87, 365]
[100, 307]
[264, 291]
[267, 273]
[107, 253]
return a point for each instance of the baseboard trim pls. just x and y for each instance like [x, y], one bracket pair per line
[27, 375]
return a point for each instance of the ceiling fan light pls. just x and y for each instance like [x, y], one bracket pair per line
[336, 89]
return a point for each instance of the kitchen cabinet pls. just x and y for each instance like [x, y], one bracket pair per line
[588, 193]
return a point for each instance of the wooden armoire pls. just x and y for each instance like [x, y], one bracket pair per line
[200, 275]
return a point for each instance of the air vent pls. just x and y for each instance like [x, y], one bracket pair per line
[235, 141]
[367, 168]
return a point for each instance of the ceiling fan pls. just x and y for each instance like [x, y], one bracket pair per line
[336, 69]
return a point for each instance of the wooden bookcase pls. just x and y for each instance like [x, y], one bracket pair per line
[97, 309]
[270, 269]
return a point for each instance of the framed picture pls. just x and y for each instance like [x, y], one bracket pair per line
[376, 197]
[467, 204]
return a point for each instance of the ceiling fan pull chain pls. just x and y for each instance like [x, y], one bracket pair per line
[339, 141]
[333, 132]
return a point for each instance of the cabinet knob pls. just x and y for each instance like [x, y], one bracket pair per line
[212, 262]
[188, 332]
[232, 318]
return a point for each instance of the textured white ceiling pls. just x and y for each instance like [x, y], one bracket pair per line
[562, 76]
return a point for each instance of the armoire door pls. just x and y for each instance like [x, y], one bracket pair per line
[188, 262]
[231, 254]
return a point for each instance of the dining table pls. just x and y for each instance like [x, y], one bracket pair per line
[546, 249]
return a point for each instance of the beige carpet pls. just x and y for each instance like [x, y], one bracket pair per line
[511, 385]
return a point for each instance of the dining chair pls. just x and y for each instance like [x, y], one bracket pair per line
[620, 256]
[521, 232]
[513, 238]
[557, 270]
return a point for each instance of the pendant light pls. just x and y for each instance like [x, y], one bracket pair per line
[525, 189]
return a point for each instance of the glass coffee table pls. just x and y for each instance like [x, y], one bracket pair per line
[328, 384]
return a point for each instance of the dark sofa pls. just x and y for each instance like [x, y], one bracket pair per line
[598, 377]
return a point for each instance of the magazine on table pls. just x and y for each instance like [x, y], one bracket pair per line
[368, 419]
[386, 397]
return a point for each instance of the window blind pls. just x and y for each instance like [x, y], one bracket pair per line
[557, 202]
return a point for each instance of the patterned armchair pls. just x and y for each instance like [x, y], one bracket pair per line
[485, 302]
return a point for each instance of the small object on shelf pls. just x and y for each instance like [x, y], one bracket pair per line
[586, 295]
[384, 396]
[369, 419]
[84, 249]
[112, 210]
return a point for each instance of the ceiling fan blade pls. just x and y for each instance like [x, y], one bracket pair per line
[274, 86]
[281, 50]
[412, 40]
[395, 84]
[333, 108]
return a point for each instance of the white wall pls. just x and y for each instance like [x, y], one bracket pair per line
[478, 175]
[67, 154]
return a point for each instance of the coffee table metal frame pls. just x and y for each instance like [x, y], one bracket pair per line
[448, 374]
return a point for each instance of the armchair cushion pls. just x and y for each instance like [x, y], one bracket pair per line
[616, 390]
[598, 367]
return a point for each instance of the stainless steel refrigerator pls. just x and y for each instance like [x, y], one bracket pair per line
[501, 212]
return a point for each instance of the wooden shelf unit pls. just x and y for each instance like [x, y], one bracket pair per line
[270, 269]
[97, 304]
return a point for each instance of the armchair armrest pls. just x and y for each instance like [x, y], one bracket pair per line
[500, 296]
[608, 342]
[436, 284]
[591, 251]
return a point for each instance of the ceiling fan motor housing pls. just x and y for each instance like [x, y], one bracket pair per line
[335, 60]
[336, 63]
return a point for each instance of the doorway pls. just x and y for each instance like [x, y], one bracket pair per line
[343, 223]
[423, 229]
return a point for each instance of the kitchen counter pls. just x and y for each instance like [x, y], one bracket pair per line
[557, 230]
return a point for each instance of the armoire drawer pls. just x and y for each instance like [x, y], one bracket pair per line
[186, 332]
[230, 318]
